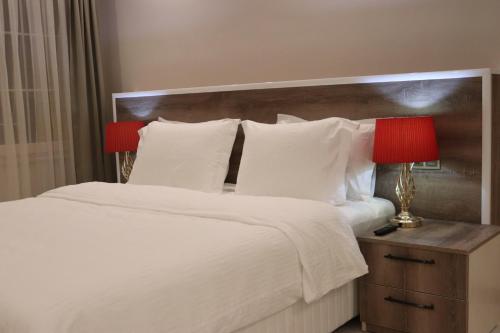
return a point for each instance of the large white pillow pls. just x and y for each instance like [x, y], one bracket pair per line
[163, 120]
[193, 156]
[144, 129]
[304, 160]
[361, 171]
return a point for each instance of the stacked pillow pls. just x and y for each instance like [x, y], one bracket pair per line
[326, 160]
[361, 170]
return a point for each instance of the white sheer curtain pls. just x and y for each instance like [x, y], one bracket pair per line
[36, 139]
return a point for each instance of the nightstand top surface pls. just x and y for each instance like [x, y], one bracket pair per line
[445, 236]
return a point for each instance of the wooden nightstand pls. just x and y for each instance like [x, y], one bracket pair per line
[443, 277]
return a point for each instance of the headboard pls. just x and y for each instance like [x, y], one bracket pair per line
[452, 192]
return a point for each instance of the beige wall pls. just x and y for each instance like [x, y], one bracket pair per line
[155, 44]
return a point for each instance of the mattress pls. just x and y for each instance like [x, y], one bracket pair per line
[322, 316]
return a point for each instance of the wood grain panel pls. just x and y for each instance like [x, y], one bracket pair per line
[446, 277]
[495, 152]
[382, 270]
[448, 315]
[434, 235]
[377, 311]
[453, 193]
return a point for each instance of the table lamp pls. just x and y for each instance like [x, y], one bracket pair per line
[405, 141]
[123, 136]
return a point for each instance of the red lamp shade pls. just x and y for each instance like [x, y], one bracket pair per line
[122, 136]
[405, 140]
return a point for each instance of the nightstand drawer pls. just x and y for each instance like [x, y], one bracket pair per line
[410, 311]
[445, 276]
[374, 309]
[431, 272]
[446, 316]
[384, 271]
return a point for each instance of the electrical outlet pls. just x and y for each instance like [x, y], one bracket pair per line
[431, 165]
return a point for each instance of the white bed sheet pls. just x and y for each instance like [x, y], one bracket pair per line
[361, 215]
[365, 215]
[122, 258]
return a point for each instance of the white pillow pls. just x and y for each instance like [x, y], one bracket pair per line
[144, 129]
[193, 156]
[306, 160]
[163, 120]
[361, 171]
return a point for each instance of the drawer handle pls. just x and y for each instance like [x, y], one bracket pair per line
[416, 305]
[420, 261]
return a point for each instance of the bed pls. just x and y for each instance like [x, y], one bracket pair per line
[111, 258]
[100, 257]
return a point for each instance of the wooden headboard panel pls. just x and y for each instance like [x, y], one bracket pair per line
[453, 192]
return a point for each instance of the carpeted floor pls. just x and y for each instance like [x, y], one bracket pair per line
[353, 326]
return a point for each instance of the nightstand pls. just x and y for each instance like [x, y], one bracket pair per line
[443, 277]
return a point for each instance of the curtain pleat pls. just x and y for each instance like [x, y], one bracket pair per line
[11, 170]
[87, 83]
[51, 97]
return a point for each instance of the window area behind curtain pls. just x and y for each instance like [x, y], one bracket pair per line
[36, 144]
[40, 57]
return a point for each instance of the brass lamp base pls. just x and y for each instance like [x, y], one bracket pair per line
[407, 220]
[127, 165]
[405, 191]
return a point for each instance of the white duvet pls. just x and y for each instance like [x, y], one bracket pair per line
[101, 257]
